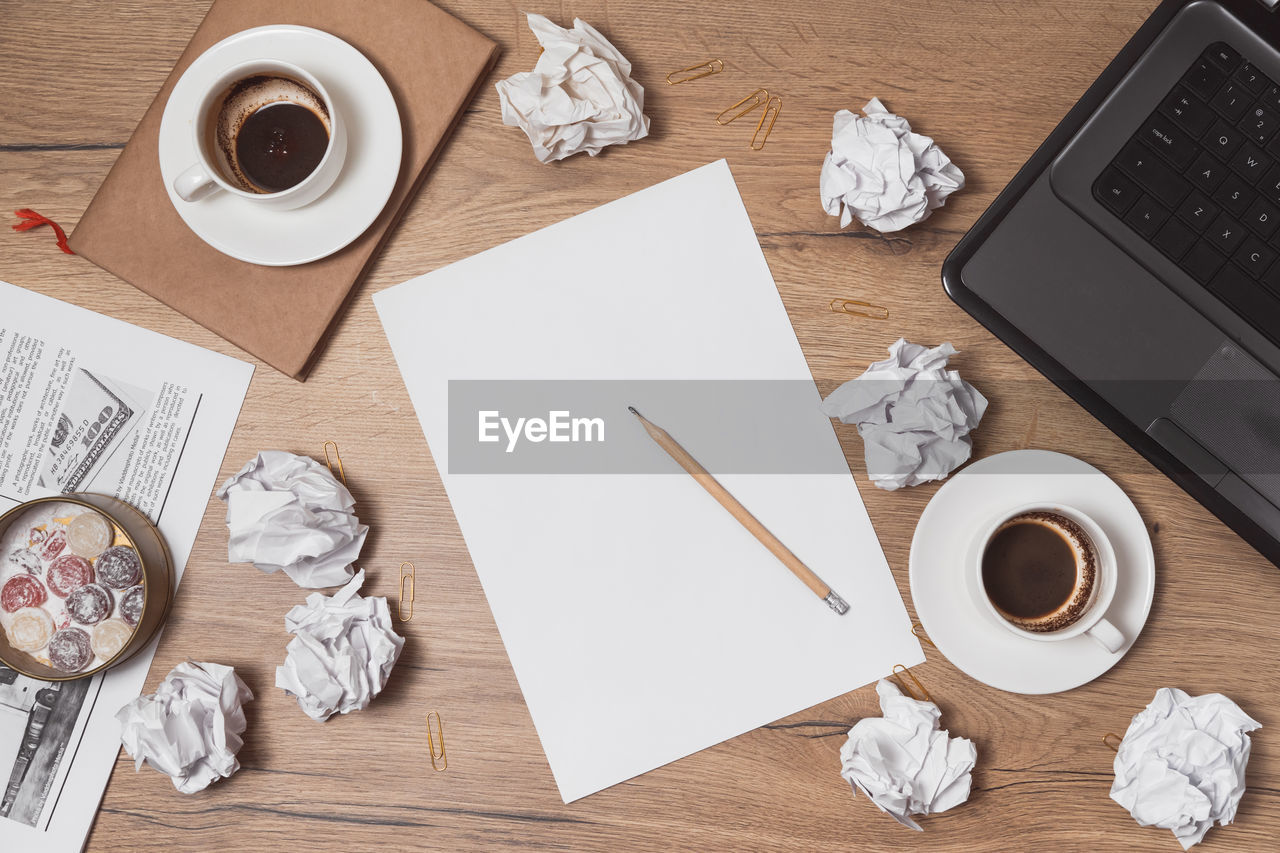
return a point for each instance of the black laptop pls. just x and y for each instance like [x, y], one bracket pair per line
[1135, 258]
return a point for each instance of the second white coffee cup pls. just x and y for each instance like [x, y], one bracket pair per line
[1093, 621]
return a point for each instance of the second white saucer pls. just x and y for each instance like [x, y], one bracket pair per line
[250, 232]
[968, 635]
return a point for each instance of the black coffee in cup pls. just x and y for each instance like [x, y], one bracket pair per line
[270, 133]
[1039, 569]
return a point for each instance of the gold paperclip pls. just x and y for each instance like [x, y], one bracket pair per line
[920, 634]
[758, 98]
[437, 752]
[858, 308]
[774, 107]
[406, 574]
[899, 671]
[1106, 739]
[342, 475]
[697, 72]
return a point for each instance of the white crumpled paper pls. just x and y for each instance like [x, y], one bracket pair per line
[288, 512]
[903, 762]
[1181, 763]
[913, 414]
[578, 97]
[882, 173]
[190, 727]
[342, 652]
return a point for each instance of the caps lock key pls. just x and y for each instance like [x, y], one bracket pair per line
[1168, 139]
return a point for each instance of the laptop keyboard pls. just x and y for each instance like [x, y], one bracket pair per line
[1200, 181]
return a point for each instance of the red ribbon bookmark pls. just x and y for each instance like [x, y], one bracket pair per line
[31, 219]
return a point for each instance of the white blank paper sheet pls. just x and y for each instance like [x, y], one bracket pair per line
[642, 621]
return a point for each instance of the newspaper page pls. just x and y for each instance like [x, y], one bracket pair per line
[93, 404]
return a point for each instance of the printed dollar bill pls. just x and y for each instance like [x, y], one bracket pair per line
[93, 420]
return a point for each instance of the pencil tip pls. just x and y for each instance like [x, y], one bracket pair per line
[632, 410]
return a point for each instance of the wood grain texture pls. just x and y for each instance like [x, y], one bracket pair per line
[988, 80]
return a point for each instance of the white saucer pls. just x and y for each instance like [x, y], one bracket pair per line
[247, 231]
[968, 635]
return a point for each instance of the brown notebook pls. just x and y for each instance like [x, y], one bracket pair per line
[433, 63]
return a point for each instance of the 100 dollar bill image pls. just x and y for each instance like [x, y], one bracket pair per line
[95, 419]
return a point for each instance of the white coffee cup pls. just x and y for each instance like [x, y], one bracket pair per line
[1093, 620]
[206, 177]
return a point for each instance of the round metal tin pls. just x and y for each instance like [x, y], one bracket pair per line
[158, 581]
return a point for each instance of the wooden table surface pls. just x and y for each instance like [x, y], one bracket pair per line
[988, 80]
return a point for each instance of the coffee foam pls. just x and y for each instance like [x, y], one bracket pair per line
[1070, 611]
[245, 97]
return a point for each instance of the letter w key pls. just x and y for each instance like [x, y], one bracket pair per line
[1250, 162]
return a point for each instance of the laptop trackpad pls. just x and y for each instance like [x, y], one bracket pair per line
[1232, 408]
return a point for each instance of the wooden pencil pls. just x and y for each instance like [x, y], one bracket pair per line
[742, 514]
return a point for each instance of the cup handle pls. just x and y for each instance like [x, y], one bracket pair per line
[1107, 635]
[195, 184]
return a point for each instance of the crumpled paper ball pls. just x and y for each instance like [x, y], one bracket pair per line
[1181, 764]
[913, 414]
[342, 652]
[882, 173]
[288, 512]
[903, 762]
[190, 727]
[579, 96]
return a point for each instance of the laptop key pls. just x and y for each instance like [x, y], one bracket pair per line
[1231, 101]
[1262, 218]
[1225, 234]
[1207, 172]
[1202, 262]
[1174, 239]
[1146, 216]
[1271, 98]
[1260, 123]
[1141, 164]
[1223, 55]
[1222, 140]
[1251, 79]
[1271, 279]
[1116, 191]
[1254, 256]
[1259, 306]
[1204, 78]
[1169, 140]
[1270, 184]
[1188, 111]
[1197, 211]
[1235, 195]
[1250, 163]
